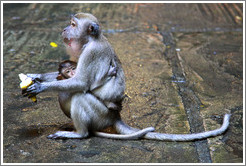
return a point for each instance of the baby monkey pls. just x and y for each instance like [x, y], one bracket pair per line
[67, 70]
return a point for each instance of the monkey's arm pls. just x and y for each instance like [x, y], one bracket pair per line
[97, 67]
[76, 84]
[71, 85]
[106, 73]
[86, 76]
[44, 77]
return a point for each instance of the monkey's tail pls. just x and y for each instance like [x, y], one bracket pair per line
[125, 129]
[134, 135]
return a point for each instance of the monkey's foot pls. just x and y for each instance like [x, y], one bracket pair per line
[64, 135]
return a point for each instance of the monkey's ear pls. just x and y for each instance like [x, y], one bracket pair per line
[94, 29]
[71, 16]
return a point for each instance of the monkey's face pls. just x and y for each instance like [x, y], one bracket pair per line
[69, 72]
[82, 26]
[71, 32]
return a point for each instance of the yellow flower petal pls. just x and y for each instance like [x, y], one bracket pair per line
[53, 44]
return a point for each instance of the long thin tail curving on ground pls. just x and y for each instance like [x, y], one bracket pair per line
[121, 127]
[135, 135]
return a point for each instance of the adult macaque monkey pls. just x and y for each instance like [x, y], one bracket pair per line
[98, 69]
[84, 41]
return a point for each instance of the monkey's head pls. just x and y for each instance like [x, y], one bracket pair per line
[82, 27]
[66, 69]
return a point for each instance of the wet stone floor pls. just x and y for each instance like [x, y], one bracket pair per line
[184, 70]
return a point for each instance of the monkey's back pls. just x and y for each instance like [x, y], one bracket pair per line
[114, 89]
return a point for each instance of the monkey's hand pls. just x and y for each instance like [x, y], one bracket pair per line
[35, 77]
[33, 89]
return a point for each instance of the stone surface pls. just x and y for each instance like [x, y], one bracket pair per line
[163, 85]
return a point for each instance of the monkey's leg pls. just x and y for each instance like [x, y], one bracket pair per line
[80, 118]
[123, 128]
[88, 111]
[64, 99]
[64, 134]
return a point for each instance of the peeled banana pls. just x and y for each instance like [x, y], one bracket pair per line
[26, 82]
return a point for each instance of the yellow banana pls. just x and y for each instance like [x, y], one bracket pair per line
[26, 82]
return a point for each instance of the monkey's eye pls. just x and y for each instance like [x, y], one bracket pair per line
[73, 23]
[73, 68]
[68, 71]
